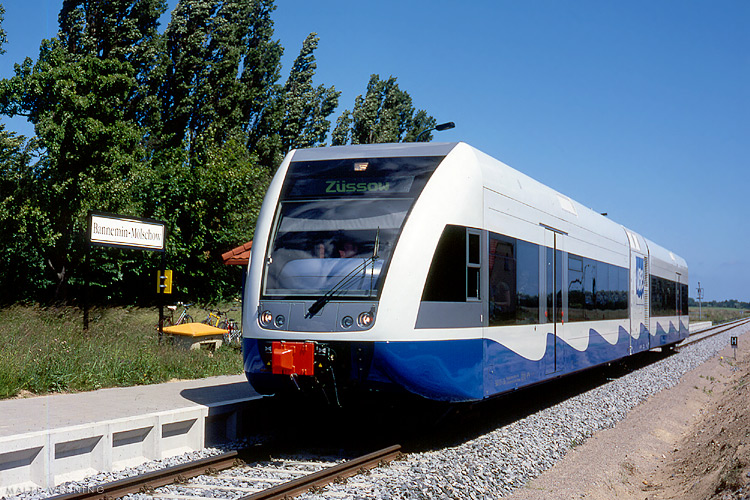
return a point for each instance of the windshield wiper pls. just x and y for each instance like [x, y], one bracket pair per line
[345, 281]
[335, 289]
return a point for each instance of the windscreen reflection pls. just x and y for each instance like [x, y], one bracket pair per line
[319, 243]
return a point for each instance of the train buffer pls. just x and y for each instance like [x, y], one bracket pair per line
[196, 336]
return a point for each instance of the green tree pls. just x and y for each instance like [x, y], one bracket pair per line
[210, 206]
[3, 34]
[26, 226]
[222, 71]
[124, 30]
[298, 114]
[384, 114]
[20, 218]
[82, 97]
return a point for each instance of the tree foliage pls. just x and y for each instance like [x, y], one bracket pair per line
[184, 126]
[384, 114]
[79, 105]
[297, 116]
[3, 34]
[730, 304]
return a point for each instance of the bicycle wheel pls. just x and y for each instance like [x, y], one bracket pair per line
[167, 321]
[187, 319]
[233, 333]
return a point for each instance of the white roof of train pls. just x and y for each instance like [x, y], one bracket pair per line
[504, 179]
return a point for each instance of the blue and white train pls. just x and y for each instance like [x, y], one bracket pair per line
[435, 269]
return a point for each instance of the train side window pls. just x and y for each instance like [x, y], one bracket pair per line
[590, 267]
[623, 293]
[602, 294]
[684, 310]
[446, 280]
[473, 250]
[473, 264]
[596, 290]
[654, 293]
[527, 283]
[663, 294]
[575, 288]
[502, 280]
[513, 281]
[671, 298]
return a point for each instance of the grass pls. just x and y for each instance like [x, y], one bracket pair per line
[46, 351]
[718, 315]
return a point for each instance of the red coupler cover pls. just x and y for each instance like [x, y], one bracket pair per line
[288, 358]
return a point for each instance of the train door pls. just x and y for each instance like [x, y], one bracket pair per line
[555, 312]
[647, 297]
[682, 307]
[639, 338]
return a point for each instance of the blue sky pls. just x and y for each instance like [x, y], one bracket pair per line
[638, 108]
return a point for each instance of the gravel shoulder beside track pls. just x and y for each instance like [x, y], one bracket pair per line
[691, 441]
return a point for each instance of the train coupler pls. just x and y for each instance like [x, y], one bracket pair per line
[293, 358]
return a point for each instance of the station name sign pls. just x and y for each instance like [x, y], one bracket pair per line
[124, 231]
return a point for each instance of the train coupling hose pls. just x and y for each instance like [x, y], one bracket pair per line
[293, 376]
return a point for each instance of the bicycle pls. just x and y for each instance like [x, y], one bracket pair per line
[220, 319]
[184, 317]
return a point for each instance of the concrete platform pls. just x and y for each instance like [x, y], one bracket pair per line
[47, 440]
[699, 326]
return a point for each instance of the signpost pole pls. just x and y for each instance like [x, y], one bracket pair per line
[162, 269]
[86, 272]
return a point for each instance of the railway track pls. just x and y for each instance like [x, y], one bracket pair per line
[230, 475]
[712, 331]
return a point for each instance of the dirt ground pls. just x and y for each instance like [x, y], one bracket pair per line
[690, 442]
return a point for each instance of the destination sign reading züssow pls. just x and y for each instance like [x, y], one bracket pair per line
[123, 231]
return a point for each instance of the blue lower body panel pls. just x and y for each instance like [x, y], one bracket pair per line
[441, 370]
[667, 332]
[460, 370]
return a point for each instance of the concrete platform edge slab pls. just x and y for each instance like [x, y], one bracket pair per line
[45, 459]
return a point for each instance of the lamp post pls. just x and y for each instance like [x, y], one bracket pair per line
[439, 128]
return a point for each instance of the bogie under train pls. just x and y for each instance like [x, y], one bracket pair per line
[438, 270]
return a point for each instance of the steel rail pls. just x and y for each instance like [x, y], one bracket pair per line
[328, 475]
[701, 335]
[151, 480]
[146, 483]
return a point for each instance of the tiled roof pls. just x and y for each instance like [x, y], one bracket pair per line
[239, 256]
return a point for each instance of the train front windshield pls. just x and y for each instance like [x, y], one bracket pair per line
[337, 224]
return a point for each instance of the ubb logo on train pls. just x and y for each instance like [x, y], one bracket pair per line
[640, 277]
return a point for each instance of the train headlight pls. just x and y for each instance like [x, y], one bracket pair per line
[365, 319]
[347, 321]
[279, 321]
[266, 318]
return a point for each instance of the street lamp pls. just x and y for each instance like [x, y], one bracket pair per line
[439, 128]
